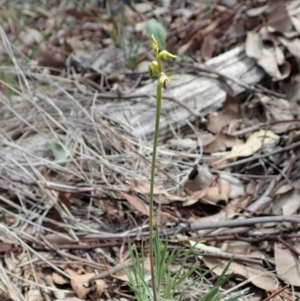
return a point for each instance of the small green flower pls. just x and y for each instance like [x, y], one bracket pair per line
[163, 80]
[154, 45]
[165, 55]
[152, 68]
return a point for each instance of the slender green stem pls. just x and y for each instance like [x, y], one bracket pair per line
[151, 209]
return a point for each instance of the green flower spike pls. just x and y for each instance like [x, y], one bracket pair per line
[155, 67]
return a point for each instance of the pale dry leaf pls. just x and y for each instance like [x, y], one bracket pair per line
[30, 36]
[296, 23]
[194, 198]
[204, 248]
[283, 189]
[255, 142]
[239, 247]
[293, 45]
[287, 203]
[79, 283]
[287, 265]
[137, 203]
[279, 55]
[143, 8]
[100, 286]
[199, 177]
[237, 188]
[253, 45]
[260, 278]
[58, 279]
[216, 194]
[186, 143]
[257, 11]
[268, 62]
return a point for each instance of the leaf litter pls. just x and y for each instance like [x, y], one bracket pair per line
[66, 212]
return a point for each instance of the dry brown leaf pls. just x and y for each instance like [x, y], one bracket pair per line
[100, 287]
[131, 15]
[58, 279]
[260, 278]
[79, 282]
[279, 18]
[58, 239]
[137, 203]
[208, 47]
[230, 112]
[287, 203]
[48, 57]
[287, 265]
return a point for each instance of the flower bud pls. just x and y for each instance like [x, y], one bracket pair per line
[154, 44]
[165, 55]
[152, 68]
[163, 80]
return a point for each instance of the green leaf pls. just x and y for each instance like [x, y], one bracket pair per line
[158, 31]
[60, 154]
